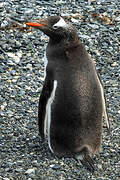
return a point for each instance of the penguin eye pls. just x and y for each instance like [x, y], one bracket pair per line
[55, 27]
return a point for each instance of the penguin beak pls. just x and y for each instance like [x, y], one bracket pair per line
[35, 24]
[42, 25]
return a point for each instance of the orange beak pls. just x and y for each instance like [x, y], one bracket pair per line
[34, 24]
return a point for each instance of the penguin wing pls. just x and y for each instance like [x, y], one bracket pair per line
[104, 104]
[45, 94]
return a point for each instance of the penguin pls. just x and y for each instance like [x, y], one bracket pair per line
[72, 101]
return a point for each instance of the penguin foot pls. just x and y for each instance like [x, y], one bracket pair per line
[88, 163]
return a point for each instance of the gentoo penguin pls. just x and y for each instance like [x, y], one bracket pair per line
[72, 100]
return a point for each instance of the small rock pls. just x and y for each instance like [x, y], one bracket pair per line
[29, 66]
[16, 58]
[74, 20]
[94, 26]
[19, 163]
[99, 166]
[9, 81]
[19, 170]
[13, 72]
[55, 166]
[28, 11]
[2, 107]
[1, 69]
[117, 18]
[1, 113]
[84, 36]
[114, 64]
[2, 4]
[30, 171]
[10, 62]
[4, 24]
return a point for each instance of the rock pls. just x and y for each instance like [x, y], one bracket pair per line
[56, 166]
[30, 171]
[16, 58]
[13, 72]
[4, 24]
[114, 64]
[94, 26]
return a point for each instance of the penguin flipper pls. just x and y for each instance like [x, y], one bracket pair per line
[45, 94]
[104, 105]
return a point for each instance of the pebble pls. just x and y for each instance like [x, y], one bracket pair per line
[94, 26]
[29, 66]
[117, 19]
[15, 58]
[13, 72]
[114, 64]
[99, 166]
[4, 23]
[55, 166]
[74, 20]
[19, 170]
[29, 171]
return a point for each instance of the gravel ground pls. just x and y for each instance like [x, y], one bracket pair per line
[22, 154]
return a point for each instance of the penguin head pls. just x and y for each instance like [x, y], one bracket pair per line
[56, 28]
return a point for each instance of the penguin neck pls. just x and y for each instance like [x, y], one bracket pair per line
[65, 43]
[62, 50]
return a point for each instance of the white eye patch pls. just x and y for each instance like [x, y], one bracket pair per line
[60, 23]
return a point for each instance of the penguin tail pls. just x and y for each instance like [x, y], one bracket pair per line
[88, 163]
[86, 158]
